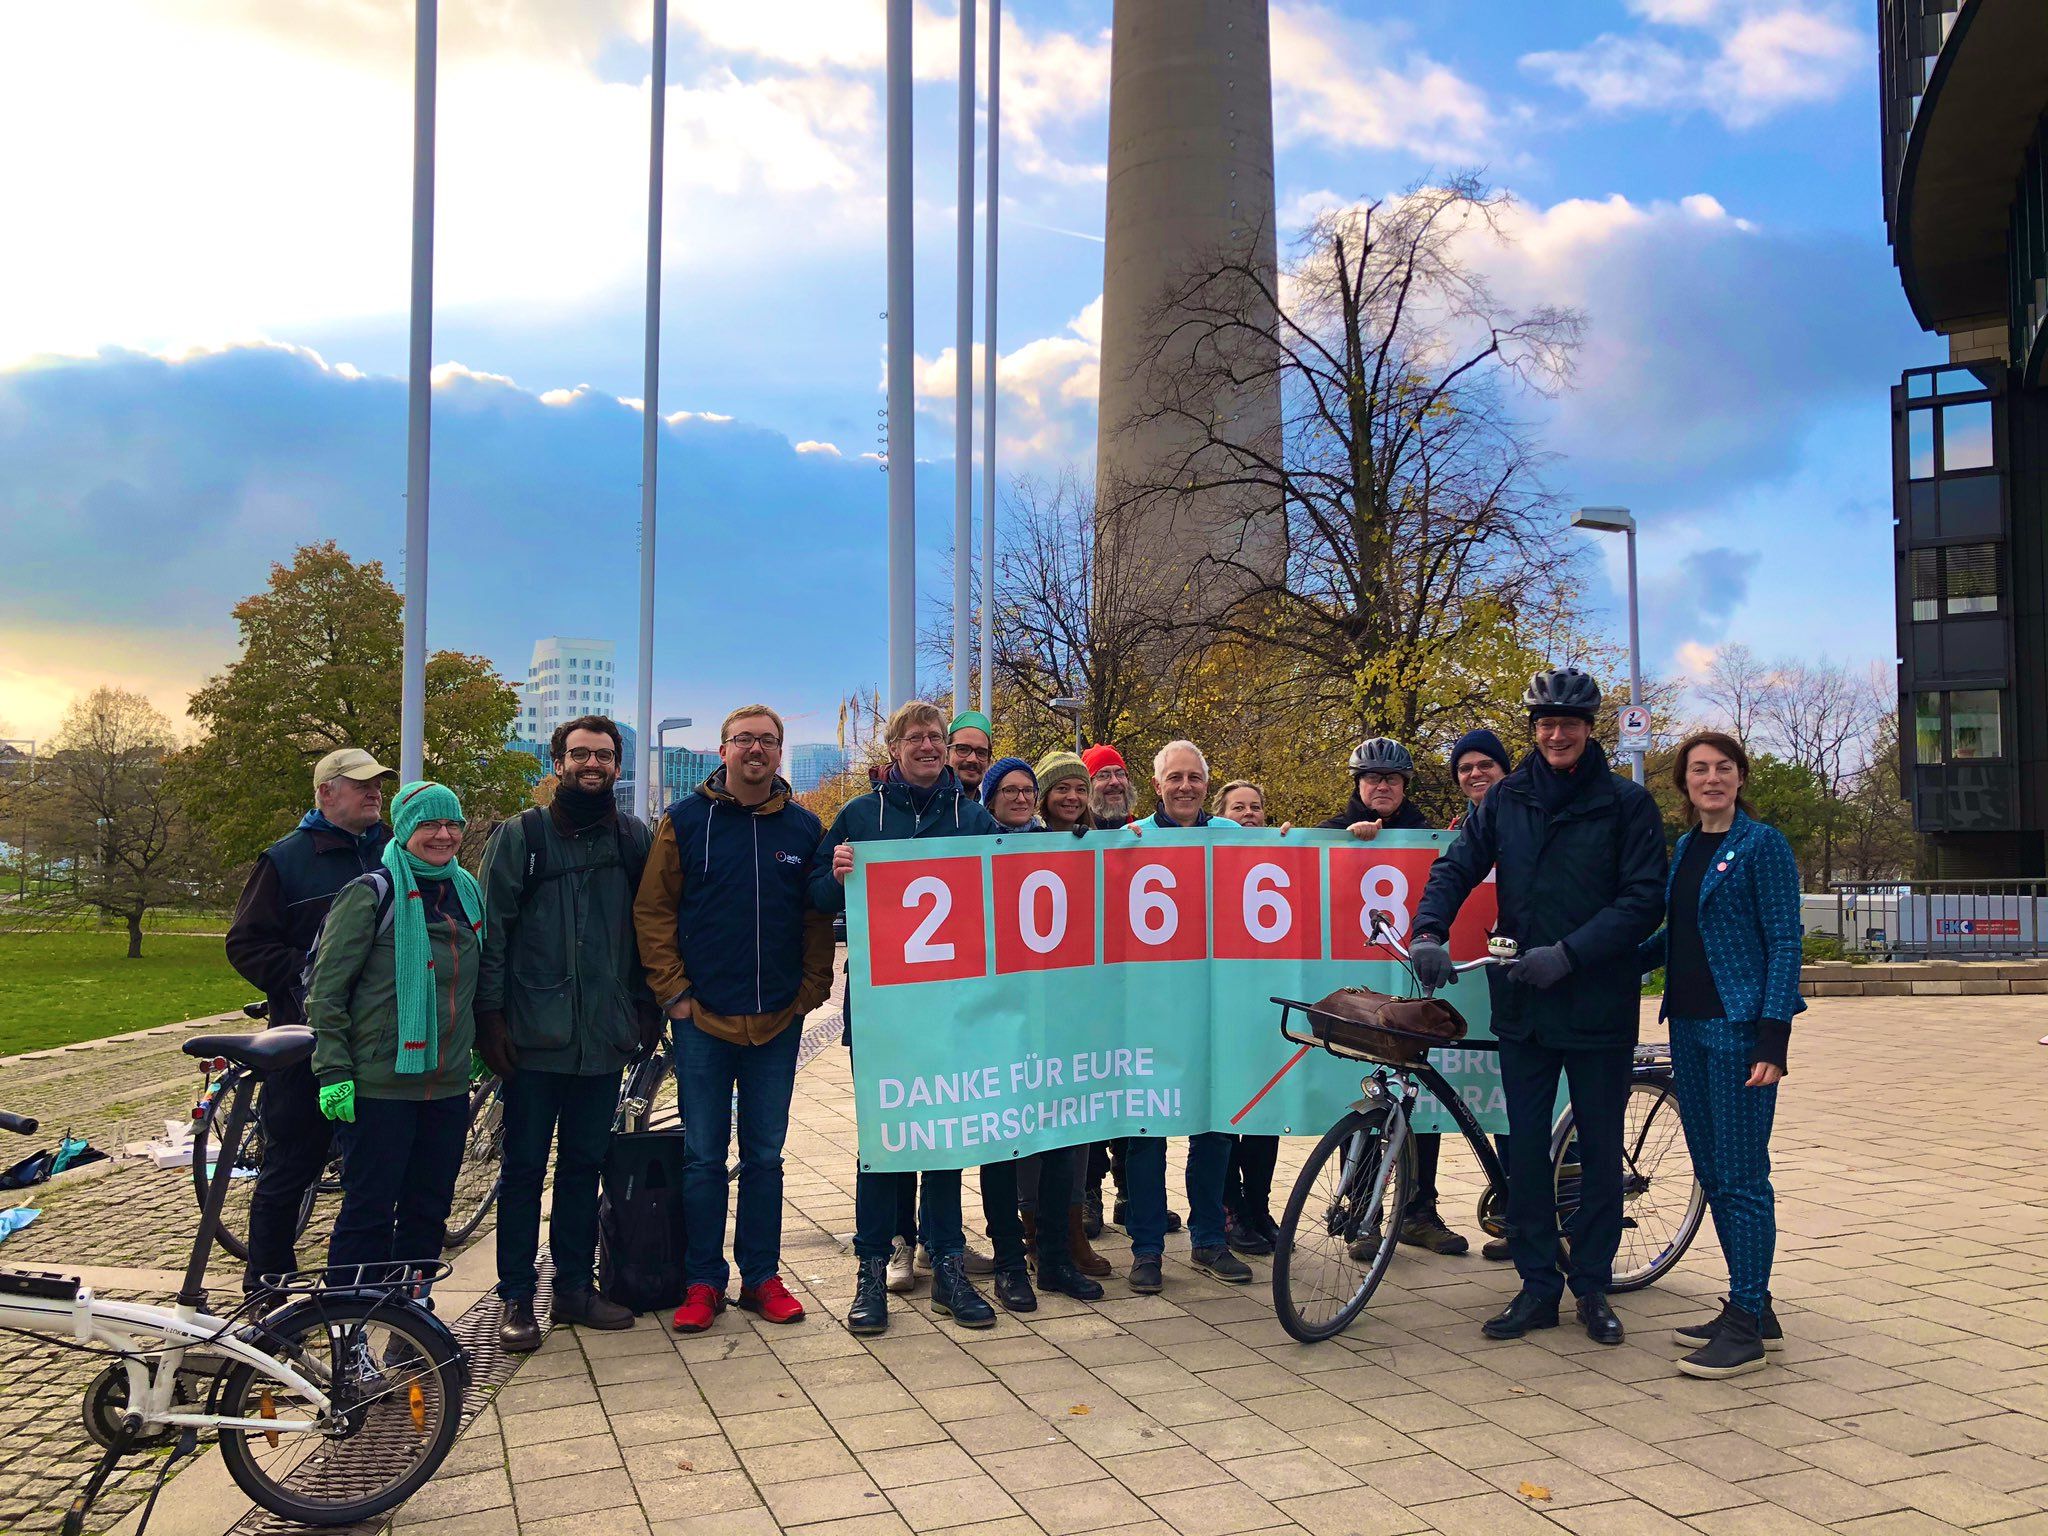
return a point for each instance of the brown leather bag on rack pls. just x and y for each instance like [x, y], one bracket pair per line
[1358, 1021]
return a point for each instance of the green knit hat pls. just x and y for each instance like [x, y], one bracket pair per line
[1056, 766]
[971, 720]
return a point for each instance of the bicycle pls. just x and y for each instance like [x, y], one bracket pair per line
[332, 1407]
[476, 1186]
[1342, 1220]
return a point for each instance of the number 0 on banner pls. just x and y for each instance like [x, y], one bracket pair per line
[1045, 911]
[924, 921]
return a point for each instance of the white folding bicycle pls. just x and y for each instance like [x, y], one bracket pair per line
[335, 1395]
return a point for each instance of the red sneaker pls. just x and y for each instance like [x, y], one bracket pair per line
[700, 1305]
[772, 1300]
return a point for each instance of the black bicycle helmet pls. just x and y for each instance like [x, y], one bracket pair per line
[1562, 691]
[1380, 755]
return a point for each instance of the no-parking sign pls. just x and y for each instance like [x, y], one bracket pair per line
[1635, 728]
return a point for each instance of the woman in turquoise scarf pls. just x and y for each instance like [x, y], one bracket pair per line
[394, 975]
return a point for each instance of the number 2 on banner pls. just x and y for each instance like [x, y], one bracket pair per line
[1045, 911]
[1268, 903]
[1368, 880]
[924, 921]
[1154, 905]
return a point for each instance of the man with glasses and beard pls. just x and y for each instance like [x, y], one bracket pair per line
[562, 1005]
[1109, 786]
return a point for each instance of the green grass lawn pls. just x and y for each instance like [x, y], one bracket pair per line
[56, 988]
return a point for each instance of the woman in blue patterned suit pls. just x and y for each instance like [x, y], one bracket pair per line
[1730, 952]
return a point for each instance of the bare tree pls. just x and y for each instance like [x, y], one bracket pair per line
[1824, 718]
[1388, 524]
[108, 800]
[1737, 687]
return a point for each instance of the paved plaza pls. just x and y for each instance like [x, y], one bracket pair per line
[1912, 1395]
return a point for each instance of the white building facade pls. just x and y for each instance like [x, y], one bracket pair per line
[569, 676]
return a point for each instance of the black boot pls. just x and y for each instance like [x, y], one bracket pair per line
[954, 1295]
[1059, 1274]
[1735, 1348]
[1703, 1333]
[1527, 1311]
[1423, 1228]
[869, 1313]
[1091, 1211]
[1245, 1238]
[584, 1307]
[1598, 1318]
[1013, 1290]
[518, 1332]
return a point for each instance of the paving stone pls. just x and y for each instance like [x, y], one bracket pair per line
[931, 1506]
[1224, 1510]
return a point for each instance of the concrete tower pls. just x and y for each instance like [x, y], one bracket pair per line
[1190, 175]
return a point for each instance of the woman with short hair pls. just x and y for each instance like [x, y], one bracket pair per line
[1730, 951]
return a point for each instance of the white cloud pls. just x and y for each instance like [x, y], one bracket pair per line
[811, 445]
[1045, 390]
[1335, 80]
[1744, 61]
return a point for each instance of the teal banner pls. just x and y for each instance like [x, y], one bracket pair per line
[1018, 993]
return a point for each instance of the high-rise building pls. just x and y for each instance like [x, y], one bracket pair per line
[1190, 181]
[1964, 109]
[810, 763]
[567, 677]
[682, 770]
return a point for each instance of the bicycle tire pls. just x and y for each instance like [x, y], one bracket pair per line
[232, 1233]
[320, 1328]
[1654, 1155]
[1339, 1217]
[482, 1171]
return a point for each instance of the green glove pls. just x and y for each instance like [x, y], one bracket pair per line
[338, 1102]
[477, 1066]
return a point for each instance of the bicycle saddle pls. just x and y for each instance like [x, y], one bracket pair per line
[265, 1051]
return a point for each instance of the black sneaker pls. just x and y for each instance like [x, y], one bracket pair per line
[1223, 1264]
[1066, 1280]
[1013, 1291]
[1423, 1228]
[1735, 1349]
[1091, 1211]
[1699, 1334]
[954, 1295]
[1246, 1239]
[1145, 1278]
[869, 1313]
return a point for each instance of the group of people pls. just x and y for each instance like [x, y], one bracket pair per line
[588, 928]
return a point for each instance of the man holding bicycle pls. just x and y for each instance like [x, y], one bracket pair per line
[1579, 856]
[289, 890]
[561, 1007]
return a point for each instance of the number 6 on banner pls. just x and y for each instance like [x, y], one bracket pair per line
[1268, 903]
[1045, 911]
[924, 921]
[1154, 905]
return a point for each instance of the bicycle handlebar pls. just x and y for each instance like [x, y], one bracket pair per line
[21, 1125]
[1502, 951]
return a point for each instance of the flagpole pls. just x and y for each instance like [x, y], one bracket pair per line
[650, 421]
[988, 367]
[412, 711]
[963, 377]
[902, 444]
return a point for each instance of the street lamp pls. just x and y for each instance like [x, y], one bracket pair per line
[1621, 520]
[1073, 707]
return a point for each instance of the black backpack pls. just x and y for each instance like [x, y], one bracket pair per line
[380, 881]
[533, 832]
[641, 1233]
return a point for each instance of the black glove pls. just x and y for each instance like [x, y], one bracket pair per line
[649, 1014]
[1432, 964]
[494, 1044]
[1542, 968]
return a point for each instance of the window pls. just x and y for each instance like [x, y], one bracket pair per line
[1920, 445]
[1927, 727]
[1923, 578]
[1972, 583]
[1966, 437]
[1973, 725]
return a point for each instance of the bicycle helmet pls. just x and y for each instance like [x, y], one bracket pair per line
[1562, 691]
[1379, 755]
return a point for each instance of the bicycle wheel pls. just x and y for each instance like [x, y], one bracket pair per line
[1341, 1225]
[234, 1209]
[483, 1161]
[1662, 1202]
[396, 1394]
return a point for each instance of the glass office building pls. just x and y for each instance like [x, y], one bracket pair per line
[1964, 105]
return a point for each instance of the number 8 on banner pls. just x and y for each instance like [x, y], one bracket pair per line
[1368, 880]
[924, 921]
[1045, 911]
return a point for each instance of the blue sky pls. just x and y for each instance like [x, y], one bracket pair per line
[203, 333]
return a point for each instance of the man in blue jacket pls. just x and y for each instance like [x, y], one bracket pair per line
[1580, 858]
[918, 796]
[737, 957]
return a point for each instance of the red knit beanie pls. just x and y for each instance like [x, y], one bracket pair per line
[1098, 758]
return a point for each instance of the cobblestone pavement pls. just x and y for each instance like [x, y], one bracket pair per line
[1912, 1396]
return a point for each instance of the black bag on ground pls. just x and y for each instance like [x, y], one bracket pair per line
[641, 1235]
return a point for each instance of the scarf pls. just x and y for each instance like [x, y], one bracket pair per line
[316, 820]
[1555, 790]
[582, 809]
[419, 1042]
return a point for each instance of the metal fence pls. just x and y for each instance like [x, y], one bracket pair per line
[1933, 919]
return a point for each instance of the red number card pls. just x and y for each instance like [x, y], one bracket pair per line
[1154, 906]
[1269, 903]
[1365, 880]
[1045, 911]
[1475, 920]
[924, 921]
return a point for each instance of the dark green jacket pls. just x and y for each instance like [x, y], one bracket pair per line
[352, 1004]
[564, 970]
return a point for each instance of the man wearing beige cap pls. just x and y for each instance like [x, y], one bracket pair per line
[279, 914]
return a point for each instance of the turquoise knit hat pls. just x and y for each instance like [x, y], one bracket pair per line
[970, 720]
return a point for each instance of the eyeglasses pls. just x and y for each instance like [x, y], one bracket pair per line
[927, 739]
[1380, 780]
[961, 749]
[442, 828]
[1112, 776]
[604, 756]
[746, 741]
[1018, 791]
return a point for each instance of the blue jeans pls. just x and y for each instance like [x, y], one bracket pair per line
[1145, 1167]
[1728, 1132]
[709, 1071]
[400, 1159]
[573, 1114]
